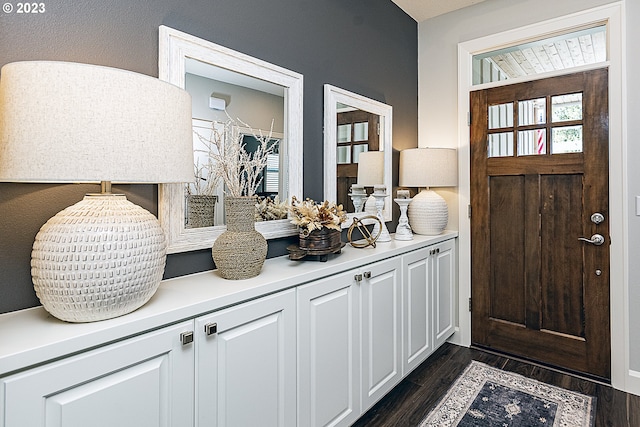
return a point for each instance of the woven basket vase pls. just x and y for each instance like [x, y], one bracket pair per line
[240, 251]
[200, 210]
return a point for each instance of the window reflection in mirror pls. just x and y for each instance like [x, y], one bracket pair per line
[219, 95]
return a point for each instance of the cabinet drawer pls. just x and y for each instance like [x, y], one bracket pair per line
[139, 382]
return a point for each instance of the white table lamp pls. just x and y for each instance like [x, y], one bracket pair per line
[371, 174]
[426, 168]
[67, 122]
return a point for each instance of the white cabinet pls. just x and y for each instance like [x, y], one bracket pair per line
[246, 364]
[145, 381]
[329, 351]
[444, 280]
[240, 363]
[428, 301]
[307, 344]
[381, 335]
[348, 343]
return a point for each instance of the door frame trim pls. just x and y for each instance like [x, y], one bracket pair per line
[621, 376]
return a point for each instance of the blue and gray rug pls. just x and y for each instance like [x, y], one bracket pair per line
[488, 397]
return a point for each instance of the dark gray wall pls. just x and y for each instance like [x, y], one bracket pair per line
[366, 46]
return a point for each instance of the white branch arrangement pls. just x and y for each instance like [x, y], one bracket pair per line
[201, 184]
[229, 160]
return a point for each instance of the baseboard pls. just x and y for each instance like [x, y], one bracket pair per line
[633, 382]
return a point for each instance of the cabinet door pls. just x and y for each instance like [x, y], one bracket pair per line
[246, 366]
[444, 288]
[380, 330]
[328, 352]
[417, 308]
[146, 381]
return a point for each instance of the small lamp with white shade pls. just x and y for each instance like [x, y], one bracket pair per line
[64, 122]
[426, 168]
[371, 174]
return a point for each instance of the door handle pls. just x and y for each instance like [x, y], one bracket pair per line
[596, 239]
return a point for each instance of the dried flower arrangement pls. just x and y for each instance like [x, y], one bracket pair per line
[268, 209]
[309, 216]
[228, 159]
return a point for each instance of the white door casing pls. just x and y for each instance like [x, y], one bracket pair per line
[622, 378]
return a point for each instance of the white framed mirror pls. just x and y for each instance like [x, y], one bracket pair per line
[184, 57]
[354, 124]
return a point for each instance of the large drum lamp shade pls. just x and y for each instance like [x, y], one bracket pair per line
[68, 122]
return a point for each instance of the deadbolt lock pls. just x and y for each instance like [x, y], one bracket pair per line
[597, 218]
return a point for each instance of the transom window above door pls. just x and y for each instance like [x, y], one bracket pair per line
[559, 52]
[539, 126]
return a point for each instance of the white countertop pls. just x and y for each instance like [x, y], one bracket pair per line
[32, 336]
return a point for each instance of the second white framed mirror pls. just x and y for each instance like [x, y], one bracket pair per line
[354, 124]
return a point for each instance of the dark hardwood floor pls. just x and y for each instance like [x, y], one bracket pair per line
[411, 400]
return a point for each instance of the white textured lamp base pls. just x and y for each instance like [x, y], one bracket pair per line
[428, 213]
[100, 258]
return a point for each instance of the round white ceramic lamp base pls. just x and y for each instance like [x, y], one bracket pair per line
[428, 213]
[100, 258]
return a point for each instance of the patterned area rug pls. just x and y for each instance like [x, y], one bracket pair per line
[486, 396]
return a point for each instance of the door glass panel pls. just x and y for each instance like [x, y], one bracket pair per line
[567, 139]
[501, 116]
[357, 149]
[344, 133]
[532, 142]
[532, 112]
[344, 154]
[500, 144]
[361, 131]
[566, 107]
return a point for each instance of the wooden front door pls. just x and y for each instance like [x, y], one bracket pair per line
[539, 171]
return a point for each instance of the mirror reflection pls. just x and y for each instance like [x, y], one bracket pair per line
[358, 150]
[228, 84]
[357, 132]
[220, 97]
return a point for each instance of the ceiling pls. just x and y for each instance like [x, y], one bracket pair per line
[220, 74]
[425, 9]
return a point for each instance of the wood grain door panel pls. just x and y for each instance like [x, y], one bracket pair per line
[537, 291]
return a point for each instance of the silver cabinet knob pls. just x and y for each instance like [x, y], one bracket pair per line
[186, 337]
[211, 328]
